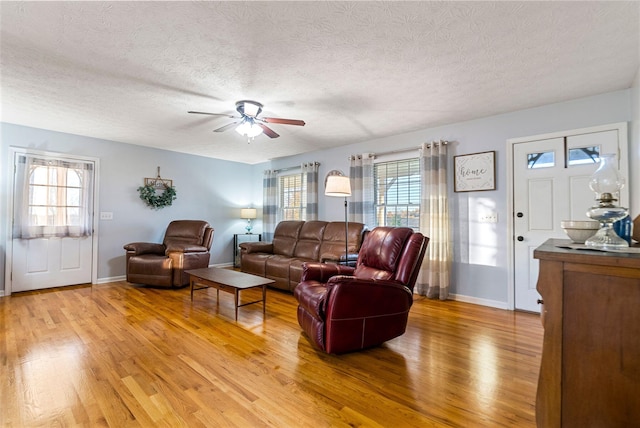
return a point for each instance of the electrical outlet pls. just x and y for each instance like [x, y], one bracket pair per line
[490, 217]
[105, 215]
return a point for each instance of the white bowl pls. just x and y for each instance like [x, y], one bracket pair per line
[580, 230]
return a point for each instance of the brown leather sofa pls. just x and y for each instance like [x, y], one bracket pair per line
[185, 246]
[343, 309]
[297, 242]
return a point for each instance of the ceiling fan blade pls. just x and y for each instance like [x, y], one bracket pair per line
[227, 126]
[212, 114]
[283, 121]
[268, 131]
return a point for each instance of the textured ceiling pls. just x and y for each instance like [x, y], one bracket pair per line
[354, 71]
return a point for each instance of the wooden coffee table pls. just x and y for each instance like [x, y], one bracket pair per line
[230, 281]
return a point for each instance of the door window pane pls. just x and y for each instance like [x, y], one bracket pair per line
[541, 160]
[583, 156]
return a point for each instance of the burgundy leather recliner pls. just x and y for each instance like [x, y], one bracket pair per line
[185, 246]
[343, 309]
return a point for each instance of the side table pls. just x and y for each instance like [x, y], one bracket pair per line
[238, 239]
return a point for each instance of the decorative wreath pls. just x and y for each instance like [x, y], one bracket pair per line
[155, 201]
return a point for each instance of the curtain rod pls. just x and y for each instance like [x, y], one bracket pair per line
[392, 152]
[289, 168]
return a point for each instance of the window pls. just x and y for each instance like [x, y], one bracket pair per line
[53, 197]
[584, 155]
[541, 160]
[397, 193]
[293, 197]
[575, 156]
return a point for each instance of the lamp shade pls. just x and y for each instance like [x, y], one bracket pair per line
[249, 128]
[248, 213]
[338, 185]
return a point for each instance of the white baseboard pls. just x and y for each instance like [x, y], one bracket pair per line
[111, 279]
[222, 265]
[479, 301]
[124, 277]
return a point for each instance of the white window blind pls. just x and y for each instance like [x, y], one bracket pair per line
[293, 197]
[397, 193]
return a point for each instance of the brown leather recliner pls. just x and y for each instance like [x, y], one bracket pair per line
[343, 309]
[185, 246]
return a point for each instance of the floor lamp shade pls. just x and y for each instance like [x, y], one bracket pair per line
[340, 186]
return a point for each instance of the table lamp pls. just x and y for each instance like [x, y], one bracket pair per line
[249, 214]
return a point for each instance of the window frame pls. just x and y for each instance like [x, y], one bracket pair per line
[301, 191]
[412, 191]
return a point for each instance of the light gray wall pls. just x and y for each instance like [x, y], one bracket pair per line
[215, 190]
[207, 189]
[480, 250]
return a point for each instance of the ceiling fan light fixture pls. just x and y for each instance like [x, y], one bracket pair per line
[250, 125]
[248, 108]
[251, 109]
[248, 128]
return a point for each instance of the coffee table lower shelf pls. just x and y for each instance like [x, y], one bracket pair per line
[229, 281]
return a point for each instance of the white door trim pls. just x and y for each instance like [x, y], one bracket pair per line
[623, 145]
[10, 186]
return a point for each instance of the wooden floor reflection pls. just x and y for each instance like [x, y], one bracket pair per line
[123, 355]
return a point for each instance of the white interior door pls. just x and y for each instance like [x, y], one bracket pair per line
[550, 184]
[50, 246]
[51, 262]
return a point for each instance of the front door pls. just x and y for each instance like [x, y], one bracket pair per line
[52, 234]
[551, 184]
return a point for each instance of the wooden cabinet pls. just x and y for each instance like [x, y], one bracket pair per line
[590, 366]
[239, 239]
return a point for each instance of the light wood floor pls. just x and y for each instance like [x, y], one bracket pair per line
[121, 355]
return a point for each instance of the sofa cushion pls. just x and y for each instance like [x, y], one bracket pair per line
[278, 267]
[256, 264]
[333, 240]
[309, 240]
[285, 237]
[295, 271]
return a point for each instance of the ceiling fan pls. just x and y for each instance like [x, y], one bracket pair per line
[250, 125]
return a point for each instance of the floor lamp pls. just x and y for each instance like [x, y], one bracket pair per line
[339, 185]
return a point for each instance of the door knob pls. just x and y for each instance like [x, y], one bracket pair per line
[519, 215]
[520, 238]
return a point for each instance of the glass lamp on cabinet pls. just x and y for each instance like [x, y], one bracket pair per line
[606, 182]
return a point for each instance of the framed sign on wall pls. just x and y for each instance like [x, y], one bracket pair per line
[474, 172]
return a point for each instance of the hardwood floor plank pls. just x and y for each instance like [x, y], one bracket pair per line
[120, 355]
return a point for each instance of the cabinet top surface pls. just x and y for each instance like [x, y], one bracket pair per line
[551, 250]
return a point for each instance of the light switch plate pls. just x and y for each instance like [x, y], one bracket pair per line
[106, 215]
[490, 217]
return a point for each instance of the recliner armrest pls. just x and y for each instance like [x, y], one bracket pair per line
[185, 248]
[139, 248]
[348, 296]
[314, 271]
[352, 258]
[257, 247]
